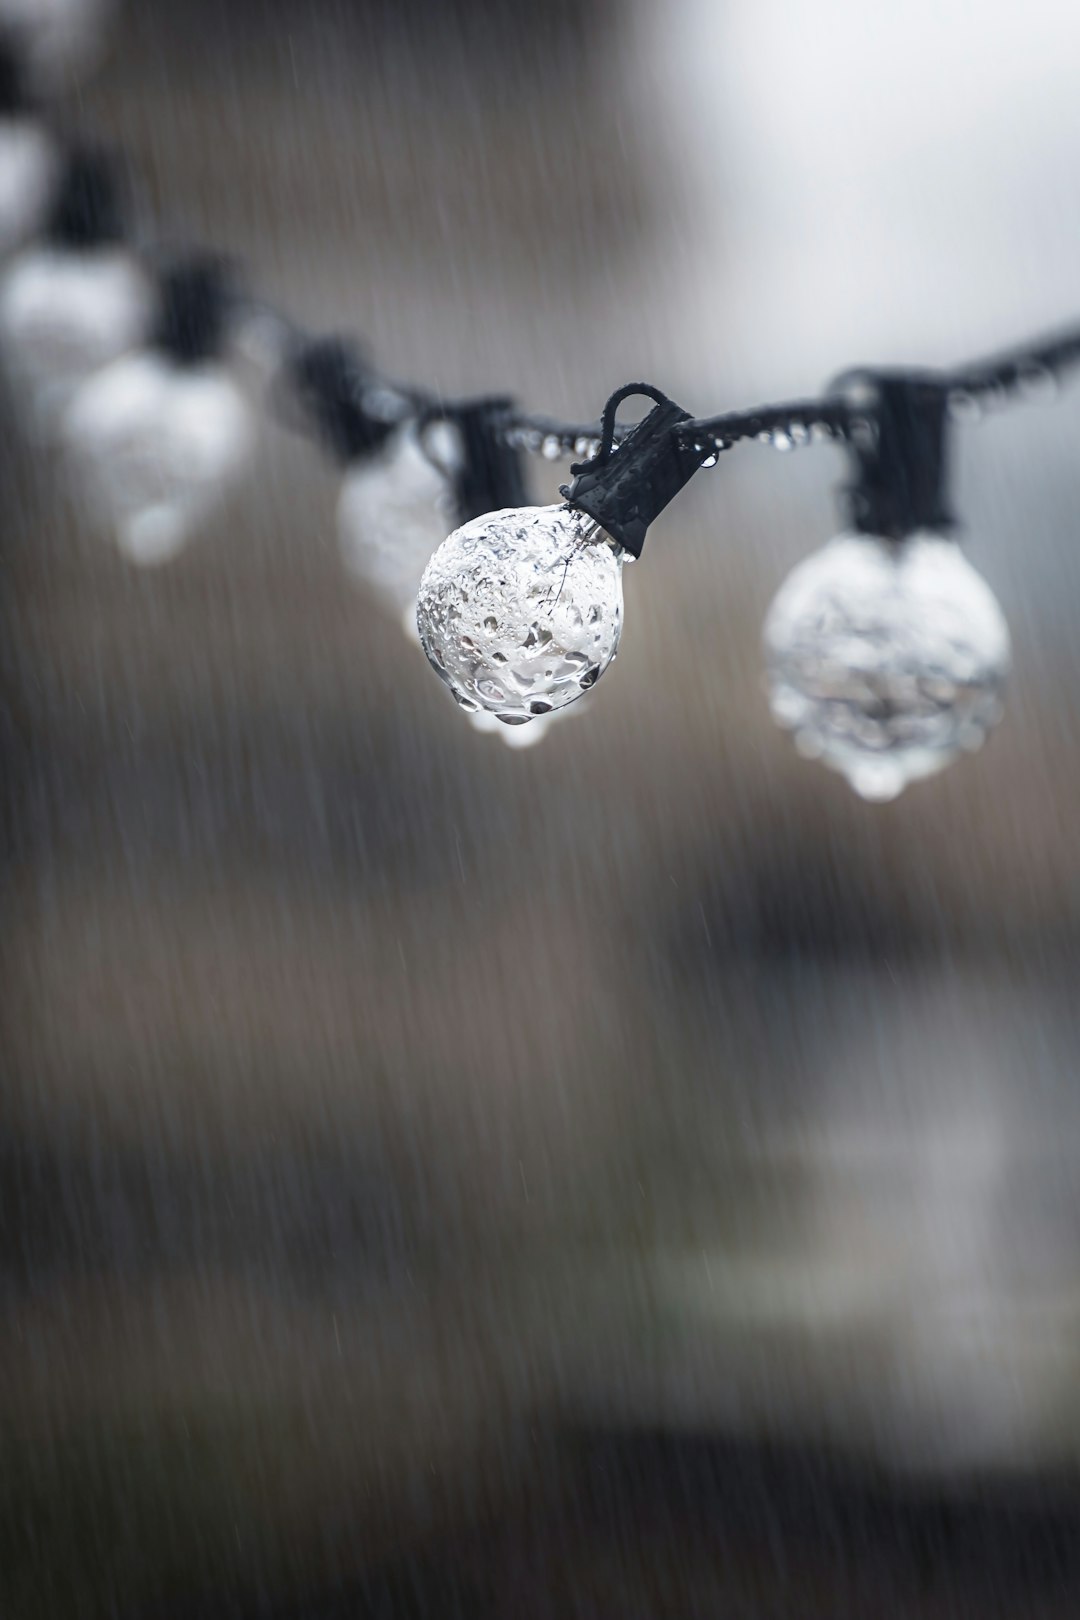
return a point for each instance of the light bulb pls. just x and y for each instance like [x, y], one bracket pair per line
[65, 313]
[520, 611]
[156, 442]
[395, 508]
[58, 37]
[27, 168]
[886, 659]
[76, 300]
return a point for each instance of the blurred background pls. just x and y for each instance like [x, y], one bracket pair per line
[626, 1177]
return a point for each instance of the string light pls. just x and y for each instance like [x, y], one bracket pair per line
[413, 467]
[520, 611]
[159, 433]
[886, 660]
[55, 38]
[396, 502]
[77, 299]
[394, 510]
[886, 653]
[27, 155]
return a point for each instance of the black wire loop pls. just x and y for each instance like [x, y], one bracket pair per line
[607, 421]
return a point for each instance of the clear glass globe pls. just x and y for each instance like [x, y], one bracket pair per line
[520, 611]
[155, 445]
[64, 315]
[886, 659]
[27, 170]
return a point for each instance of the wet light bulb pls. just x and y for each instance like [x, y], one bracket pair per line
[27, 167]
[395, 508]
[157, 443]
[520, 611]
[64, 314]
[886, 659]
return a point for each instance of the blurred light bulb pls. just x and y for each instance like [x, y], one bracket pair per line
[65, 313]
[520, 611]
[886, 659]
[396, 506]
[156, 442]
[27, 168]
[57, 37]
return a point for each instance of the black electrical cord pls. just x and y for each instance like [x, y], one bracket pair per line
[1025, 368]
[328, 387]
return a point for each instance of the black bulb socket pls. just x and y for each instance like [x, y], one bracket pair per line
[196, 298]
[15, 97]
[89, 205]
[898, 441]
[626, 489]
[488, 474]
[334, 385]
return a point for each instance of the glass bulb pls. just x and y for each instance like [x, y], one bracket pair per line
[395, 508]
[60, 37]
[157, 444]
[27, 167]
[886, 659]
[64, 315]
[520, 611]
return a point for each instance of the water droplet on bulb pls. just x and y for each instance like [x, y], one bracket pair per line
[782, 440]
[552, 447]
